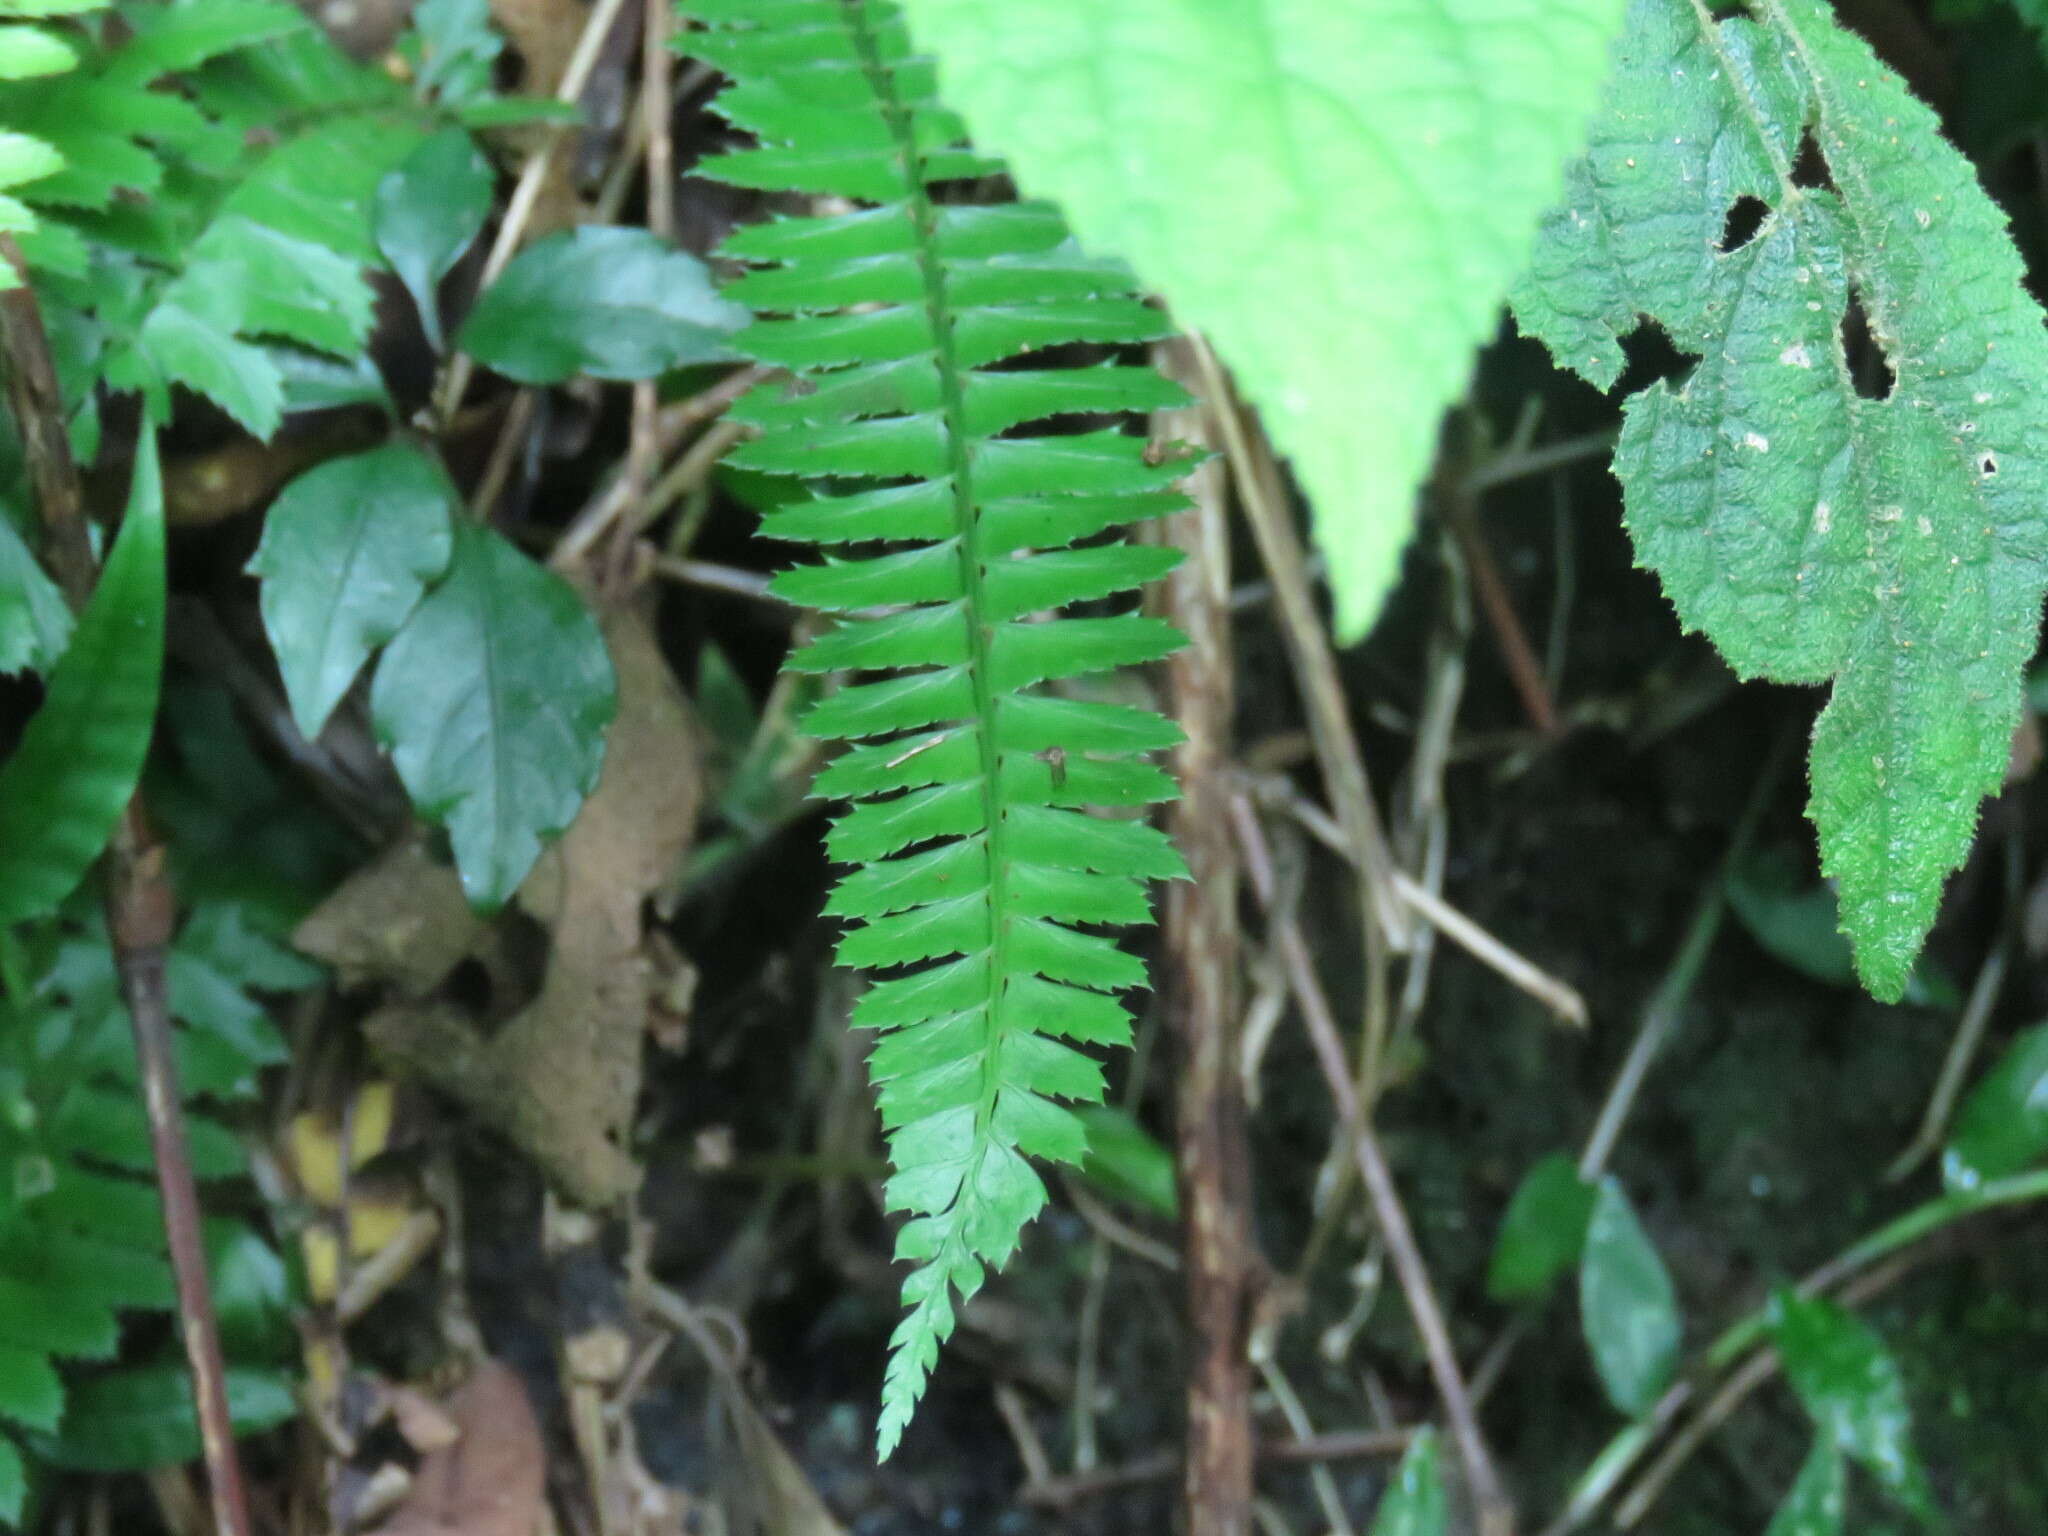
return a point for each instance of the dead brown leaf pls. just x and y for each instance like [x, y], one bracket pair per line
[489, 1480]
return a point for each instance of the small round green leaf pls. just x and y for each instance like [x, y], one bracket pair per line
[494, 699]
[1627, 1306]
[611, 303]
[428, 212]
[2003, 1126]
[1852, 1390]
[64, 787]
[347, 551]
[1543, 1232]
[1416, 1504]
[1813, 1507]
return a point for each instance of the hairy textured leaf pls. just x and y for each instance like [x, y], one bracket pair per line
[1337, 192]
[953, 536]
[347, 552]
[1813, 1507]
[1626, 1304]
[1816, 523]
[2002, 1127]
[1852, 1389]
[612, 303]
[494, 699]
[429, 210]
[64, 787]
[1544, 1231]
[1415, 1503]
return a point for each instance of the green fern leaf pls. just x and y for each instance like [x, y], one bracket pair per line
[1890, 541]
[981, 874]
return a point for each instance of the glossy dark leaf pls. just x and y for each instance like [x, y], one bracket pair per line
[132, 1420]
[1127, 1162]
[428, 213]
[2003, 1125]
[13, 1482]
[347, 551]
[1851, 1388]
[1543, 1232]
[64, 787]
[611, 303]
[1626, 1304]
[494, 699]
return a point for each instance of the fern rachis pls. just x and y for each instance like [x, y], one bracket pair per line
[979, 872]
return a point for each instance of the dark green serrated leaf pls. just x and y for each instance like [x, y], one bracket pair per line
[1126, 1161]
[1852, 1390]
[494, 699]
[1415, 1504]
[13, 1482]
[1626, 1304]
[348, 549]
[132, 1420]
[1816, 524]
[64, 787]
[2002, 1127]
[1544, 1231]
[611, 303]
[35, 626]
[30, 1393]
[1802, 927]
[429, 211]
[1813, 1506]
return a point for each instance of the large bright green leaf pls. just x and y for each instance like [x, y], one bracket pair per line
[1818, 518]
[1851, 1388]
[64, 787]
[2003, 1125]
[1543, 1232]
[1626, 1304]
[494, 699]
[347, 551]
[429, 211]
[1338, 192]
[612, 303]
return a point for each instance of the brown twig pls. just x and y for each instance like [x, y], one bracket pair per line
[141, 910]
[1525, 672]
[1200, 1002]
[1340, 1445]
[1496, 1513]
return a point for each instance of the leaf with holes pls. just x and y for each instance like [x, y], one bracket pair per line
[495, 698]
[1823, 504]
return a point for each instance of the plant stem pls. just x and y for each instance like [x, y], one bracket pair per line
[1200, 1000]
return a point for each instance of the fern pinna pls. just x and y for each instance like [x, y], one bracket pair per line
[980, 869]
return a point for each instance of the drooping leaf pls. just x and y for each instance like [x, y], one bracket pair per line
[132, 1420]
[494, 699]
[35, 625]
[2002, 1127]
[612, 303]
[1874, 520]
[1626, 1304]
[429, 210]
[1851, 1388]
[65, 786]
[347, 551]
[1337, 192]
[981, 876]
[1126, 1161]
[1813, 1507]
[1802, 927]
[1415, 1504]
[1544, 1231]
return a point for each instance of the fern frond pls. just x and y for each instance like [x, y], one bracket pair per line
[981, 872]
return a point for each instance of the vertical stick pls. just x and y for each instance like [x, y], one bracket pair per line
[1199, 995]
